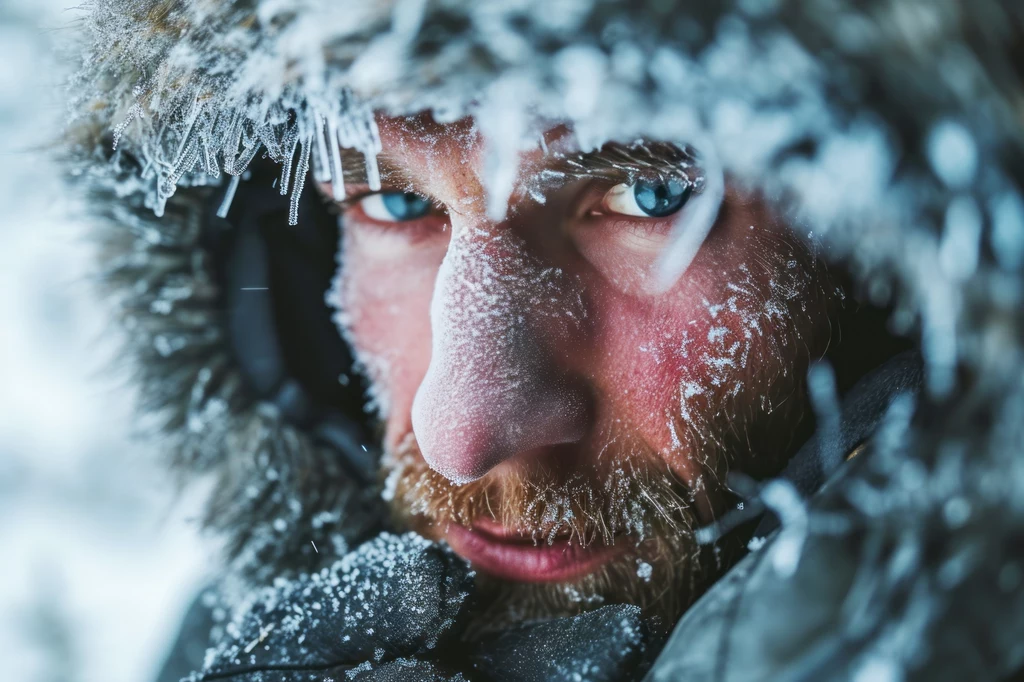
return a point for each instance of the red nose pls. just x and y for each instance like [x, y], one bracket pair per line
[496, 386]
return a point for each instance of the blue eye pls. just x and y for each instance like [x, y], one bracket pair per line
[659, 199]
[645, 199]
[395, 207]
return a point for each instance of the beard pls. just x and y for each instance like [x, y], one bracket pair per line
[626, 497]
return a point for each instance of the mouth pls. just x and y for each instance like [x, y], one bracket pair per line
[510, 555]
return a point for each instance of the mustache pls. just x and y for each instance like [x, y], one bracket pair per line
[623, 494]
[626, 490]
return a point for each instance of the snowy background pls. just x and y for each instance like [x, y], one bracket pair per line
[98, 557]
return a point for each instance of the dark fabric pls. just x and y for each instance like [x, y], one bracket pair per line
[860, 413]
[390, 610]
[393, 597]
[605, 645]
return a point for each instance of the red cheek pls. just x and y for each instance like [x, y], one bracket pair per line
[641, 365]
[385, 304]
[674, 366]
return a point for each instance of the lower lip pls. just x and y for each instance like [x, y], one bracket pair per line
[516, 558]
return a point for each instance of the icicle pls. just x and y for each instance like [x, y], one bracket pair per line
[338, 184]
[372, 172]
[160, 195]
[234, 141]
[370, 154]
[188, 130]
[322, 170]
[218, 133]
[209, 158]
[186, 163]
[300, 181]
[246, 157]
[265, 134]
[292, 142]
[692, 224]
[229, 196]
[158, 205]
[134, 112]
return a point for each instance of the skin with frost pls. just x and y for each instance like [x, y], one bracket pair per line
[561, 422]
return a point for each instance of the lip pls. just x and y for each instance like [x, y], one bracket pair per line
[509, 555]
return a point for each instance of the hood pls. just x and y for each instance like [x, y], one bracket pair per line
[889, 130]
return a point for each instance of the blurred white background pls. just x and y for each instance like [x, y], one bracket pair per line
[98, 559]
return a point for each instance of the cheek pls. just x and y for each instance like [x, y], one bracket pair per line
[683, 366]
[642, 361]
[386, 319]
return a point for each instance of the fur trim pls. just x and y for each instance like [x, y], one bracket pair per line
[278, 498]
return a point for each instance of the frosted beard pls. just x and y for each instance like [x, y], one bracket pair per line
[627, 498]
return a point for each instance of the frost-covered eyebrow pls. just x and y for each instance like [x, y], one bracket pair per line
[614, 160]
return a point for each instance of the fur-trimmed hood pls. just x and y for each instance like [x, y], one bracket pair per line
[891, 130]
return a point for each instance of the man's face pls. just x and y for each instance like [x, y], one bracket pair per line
[550, 407]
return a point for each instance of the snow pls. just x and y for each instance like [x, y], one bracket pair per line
[694, 221]
[1007, 212]
[229, 196]
[953, 153]
[961, 238]
[100, 561]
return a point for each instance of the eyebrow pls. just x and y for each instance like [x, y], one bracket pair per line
[613, 161]
[638, 159]
[354, 175]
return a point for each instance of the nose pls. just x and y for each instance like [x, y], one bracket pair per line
[494, 387]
